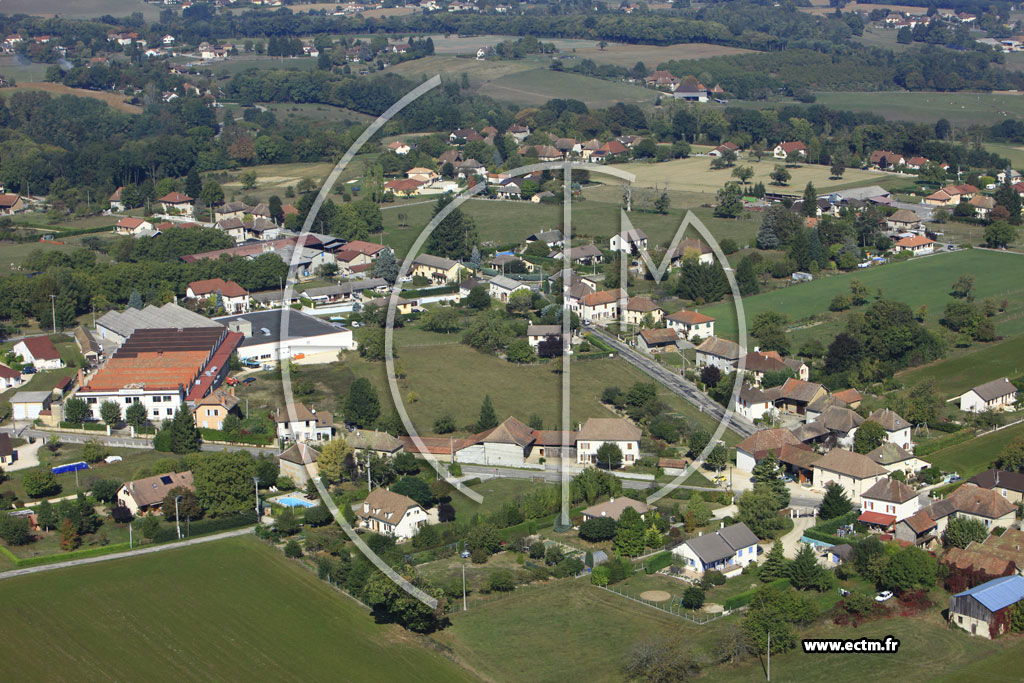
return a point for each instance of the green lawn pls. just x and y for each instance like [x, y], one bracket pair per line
[536, 86]
[926, 107]
[924, 281]
[227, 610]
[975, 455]
[970, 367]
[496, 492]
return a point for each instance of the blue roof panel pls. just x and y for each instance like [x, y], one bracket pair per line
[998, 593]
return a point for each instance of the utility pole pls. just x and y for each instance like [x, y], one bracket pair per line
[769, 655]
[463, 585]
[256, 485]
[131, 539]
[177, 518]
[369, 482]
[53, 311]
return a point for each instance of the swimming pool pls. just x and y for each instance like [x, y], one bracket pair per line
[295, 502]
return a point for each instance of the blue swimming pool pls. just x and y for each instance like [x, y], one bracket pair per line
[295, 502]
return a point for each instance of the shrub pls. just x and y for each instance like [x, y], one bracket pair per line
[600, 576]
[121, 514]
[598, 529]
[502, 581]
[318, 516]
[285, 484]
[693, 598]
[292, 549]
[40, 483]
[712, 578]
[479, 556]
[162, 441]
[658, 562]
[537, 551]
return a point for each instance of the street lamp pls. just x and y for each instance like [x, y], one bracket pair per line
[256, 485]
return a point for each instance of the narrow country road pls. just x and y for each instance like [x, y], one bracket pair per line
[127, 553]
[675, 383]
[115, 441]
[555, 476]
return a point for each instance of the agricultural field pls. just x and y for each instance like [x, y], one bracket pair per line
[78, 9]
[970, 367]
[113, 99]
[925, 107]
[277, 178]
[537, 86]
[924, 281]
[480, 72]
[21, 69]
[231, 630]
[1015, 153]
[975, 455]
[695, 175]
[239, 63]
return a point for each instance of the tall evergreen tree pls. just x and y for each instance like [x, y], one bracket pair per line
[454, 236]
[1008, 198]
[475, 262]
[135, 300]
[184, 433]
[362, 407]
[746, 277]
[835, 503]
[809, 207]
[630, 534]
[816, 249]
[276, 209]
[774, 565]
[386, 266]
[768, 474]
[804, 571]
[193, 183]
[488, 419]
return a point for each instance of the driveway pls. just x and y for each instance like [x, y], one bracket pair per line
[28, 456]
[791, 541]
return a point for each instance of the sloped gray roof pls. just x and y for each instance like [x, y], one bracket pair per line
[168, 316]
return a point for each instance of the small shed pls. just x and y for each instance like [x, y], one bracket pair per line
[600, 557]
[27, 405]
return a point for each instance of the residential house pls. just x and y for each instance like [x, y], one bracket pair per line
[897, 430]
[915, 163]
[902, 220]
[984, 610]
[380, 444]
[755, 447]
[757, 363]
[1010, 485]
[723, 550]
[603, 305]
[438, 269]
[233, 297]
[941, 198]
[640, 307]
[798, 462]
[597, 431]
[230, 210]
[9, 377]
[303, 424]
[464, 135]
[177, 201]
[585, 255]
[8, 454]
[723, 149]
[753, 403]
[391, 514]
[404, 187]
[553, 444]
[470, 167]
[518, 132]
[999, 394]
[298, 463]
[691, 325]
[887, 160]
[548, 337]
[131, 226]
[11, 204]
[721, 353]
[887, 502]
[39, 352]
[507, 445]
[509, 261]
[691, 248]
[841, 424]
[856, 473]
[919, 529]
[894, 457]
[400, 148]
[918, 245]
[790, 151]
[629, 241]
[368, 249]
[552, 238]
[614, 508]
[544, 153]
[116, 204]
[209, 412]
[146, 496]
[851, 397]
[691, 92]
[972, 502]
[663, 80]
[502, 288]
[795, 395]
[982, 205]
[657, 340]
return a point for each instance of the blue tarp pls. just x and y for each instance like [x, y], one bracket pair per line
[70, 467]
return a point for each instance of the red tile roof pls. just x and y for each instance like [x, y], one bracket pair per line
[214, 285]
[691, 318]
[41, 348]
[876, 518]
[914, 241]
[175, 198]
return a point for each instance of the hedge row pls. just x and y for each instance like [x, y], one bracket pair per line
[745, 597]
[948, 427]
[62, 557]
[599, 343]
[658, 562]
[251, 439]
[94, 426]
[825, 531]
[206, 526]
[70, 425]
[930, 447]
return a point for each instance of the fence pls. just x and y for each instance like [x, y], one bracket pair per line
[675, 610]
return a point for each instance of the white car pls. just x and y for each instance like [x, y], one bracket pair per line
[355, 324]
[883, 596]
[866, 264]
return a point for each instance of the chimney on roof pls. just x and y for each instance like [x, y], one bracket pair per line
[997, 477]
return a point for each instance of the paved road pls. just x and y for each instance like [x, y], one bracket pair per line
[554, 476]
[675, 383]
[128, 553]
[116, 441]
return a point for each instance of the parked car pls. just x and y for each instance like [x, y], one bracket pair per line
[464, 554]
[231, 381]
[883, 596]
[355, 324]
[28, 370]
[248, 380]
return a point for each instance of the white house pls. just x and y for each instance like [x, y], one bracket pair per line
[598, 431]
[628, 241]
[399, 148]
[721, 353]
[897, 430]
[232, 295]
[724, 550]
[391, 514]
[856, 473]
[597, 306]
[755, 447]
[543, 334]
[918, 245]
[691, 324]
[892, 458]
[502, 288]
[753, 403]
[39, 352]
[9, 378]
[888, 502]
[999, 394]
[507, 445]
[307, 424]
[790, 150]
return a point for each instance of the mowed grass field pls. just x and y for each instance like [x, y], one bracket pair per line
[226, 610]
[537, 86]
[113, 99]
[975, 455]
[970, 367]
[924, 281]
[695, 175]
[71, 9]
[927, 107]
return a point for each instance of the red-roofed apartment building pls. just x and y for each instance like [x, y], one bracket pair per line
[233, 296]
[162, 369]
[39, 352]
